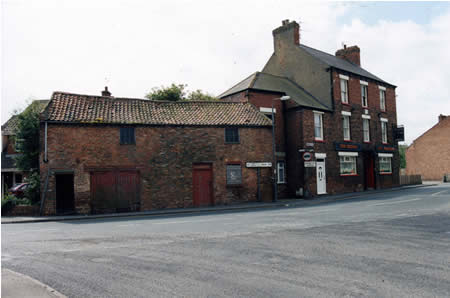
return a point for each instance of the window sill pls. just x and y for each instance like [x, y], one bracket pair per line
[365, 142]
[231, 143]
[383, 143]
[281, 183]
[386, 173]
[345, 103]
[234, 185]
[347, 140]
[348, 175]
[319, 141]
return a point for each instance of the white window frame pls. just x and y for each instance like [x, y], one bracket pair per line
[320, 115]
[382, 98]
[344, 88]
[384, 134]
[346, 128]
[348, 158]
[364, 95]
[386, 159]
[366, 129]
[281, 167]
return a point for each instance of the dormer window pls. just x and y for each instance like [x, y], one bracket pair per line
[344, 88]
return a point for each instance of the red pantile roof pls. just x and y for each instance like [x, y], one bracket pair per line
[77, 108]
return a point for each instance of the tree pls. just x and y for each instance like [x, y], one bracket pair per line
[402, 153]
[177, 92]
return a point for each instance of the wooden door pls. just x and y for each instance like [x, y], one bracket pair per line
[65, 199]
[202, 185]
[369, 166]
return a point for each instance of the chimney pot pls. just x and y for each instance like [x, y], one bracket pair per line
[441, 117]
[286, 35]
[106, 92]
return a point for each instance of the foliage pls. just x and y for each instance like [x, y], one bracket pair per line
[9, 201]
[402, 152]
[27, 138]
[33, 191]
[177, 92]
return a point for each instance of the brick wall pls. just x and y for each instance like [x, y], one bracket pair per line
[429, 155]
[164, 157]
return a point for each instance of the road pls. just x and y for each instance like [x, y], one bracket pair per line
[395, 244]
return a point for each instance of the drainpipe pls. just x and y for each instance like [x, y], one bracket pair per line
[45, 143]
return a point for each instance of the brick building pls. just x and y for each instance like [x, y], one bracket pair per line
[429, 154]
[106, 154]
[11, 175]
[340, 118]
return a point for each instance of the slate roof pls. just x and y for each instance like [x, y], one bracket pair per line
[268, 82]
[340, 63]
[10, 126]
[77, 108]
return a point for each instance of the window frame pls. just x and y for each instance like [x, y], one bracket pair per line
[127, 138]
[364, 94]
[230, 167]
[386, 160]
[279, 168]
[366, 129]
[344, 88]
[320, 115]
[346, 118]
[348, 159]
[234, 134]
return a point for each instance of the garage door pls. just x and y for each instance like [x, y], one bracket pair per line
[115, 191]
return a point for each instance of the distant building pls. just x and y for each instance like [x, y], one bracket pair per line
[429, 154]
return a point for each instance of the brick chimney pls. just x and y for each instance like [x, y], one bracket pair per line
[442, 117]
[286, 35]
[106, 92]
[350, 54]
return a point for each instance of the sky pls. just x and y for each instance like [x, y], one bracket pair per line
[135, 45]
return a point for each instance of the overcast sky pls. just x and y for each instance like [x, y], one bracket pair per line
[132, 46]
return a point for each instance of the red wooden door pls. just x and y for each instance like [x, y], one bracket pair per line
[369, 167]
[202, 185]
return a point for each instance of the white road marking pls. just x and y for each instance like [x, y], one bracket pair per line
[396, 202]
[439, 192]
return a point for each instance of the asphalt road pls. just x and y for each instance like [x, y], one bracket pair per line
[395, 244]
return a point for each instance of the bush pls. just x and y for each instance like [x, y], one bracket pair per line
[33, 192]
[9, 201]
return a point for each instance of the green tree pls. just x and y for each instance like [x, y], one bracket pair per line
[177, 92]
[402, 152]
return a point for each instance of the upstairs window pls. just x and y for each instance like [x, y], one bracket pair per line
[364, 100]
[382, 98]
[344, 88]
[127, 136]
[384, 131]
[346, 127]
[318, 126]
[231, 135]
[366, 130]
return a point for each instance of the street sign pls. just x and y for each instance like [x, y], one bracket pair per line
[258, 164]
[307, 156]
[310, 164]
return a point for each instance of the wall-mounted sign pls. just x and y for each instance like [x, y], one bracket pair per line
[258, 164]
[384, 148]
[310, 164]
[307, 156]
[347, 146]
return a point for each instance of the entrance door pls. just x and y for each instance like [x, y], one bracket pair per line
[65, 199]
[321, 177]
[202, 185]
[369, 170]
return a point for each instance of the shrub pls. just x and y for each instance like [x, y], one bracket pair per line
[32, 193]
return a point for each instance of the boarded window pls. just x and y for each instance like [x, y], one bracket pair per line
[234, 175]
[231, 135]
[127, 136]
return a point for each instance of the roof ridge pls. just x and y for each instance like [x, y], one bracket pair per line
[253, 73]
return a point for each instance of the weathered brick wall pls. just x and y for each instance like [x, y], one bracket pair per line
[23, 210]
[164, 157]
[429, 155]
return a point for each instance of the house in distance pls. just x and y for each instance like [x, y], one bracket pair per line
[338, 132]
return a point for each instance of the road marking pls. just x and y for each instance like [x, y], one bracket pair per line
[439, 192]
[396, 202]
[190, 221]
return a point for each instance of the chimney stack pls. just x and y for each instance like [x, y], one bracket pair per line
[350, 54]
[286, 35]
[441, 117]
[106, 92]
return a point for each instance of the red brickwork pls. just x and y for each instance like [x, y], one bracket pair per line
[429, 155]
[164, 157]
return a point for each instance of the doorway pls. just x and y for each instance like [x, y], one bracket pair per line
[202, 185]
[321, 177]
[369, 170]
[65, 198]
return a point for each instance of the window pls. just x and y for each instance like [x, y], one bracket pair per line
[234, 175]
[281, 172]
[318, 126]
[384, 131]
[231, 135]
[385, 165]
[366, 130]
[382, 99]
[344, 90]
[127, 136]
[346, 126]
[348, 165]
[364, 95]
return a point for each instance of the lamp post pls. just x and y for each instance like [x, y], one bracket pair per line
[274, 158]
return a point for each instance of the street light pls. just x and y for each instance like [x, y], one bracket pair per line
[275, 180]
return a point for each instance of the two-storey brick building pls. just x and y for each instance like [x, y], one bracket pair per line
[336, 133]
[107, 154]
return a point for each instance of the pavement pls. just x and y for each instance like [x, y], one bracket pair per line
[292, 202]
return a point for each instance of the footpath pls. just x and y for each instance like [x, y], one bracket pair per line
[295, 202]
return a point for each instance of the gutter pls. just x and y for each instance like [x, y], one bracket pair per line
[45, 144]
